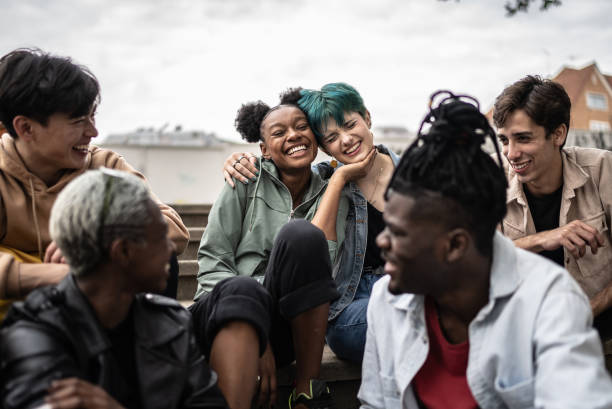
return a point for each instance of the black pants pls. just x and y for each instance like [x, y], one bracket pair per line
[603, 325]
[298, 278]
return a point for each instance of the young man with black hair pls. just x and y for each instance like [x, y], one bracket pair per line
[461, 320]
[559, 199]
[48, 106]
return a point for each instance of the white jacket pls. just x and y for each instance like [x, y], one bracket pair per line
[531, 346]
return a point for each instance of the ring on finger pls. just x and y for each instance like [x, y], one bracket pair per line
[240, 158]
[235, 163]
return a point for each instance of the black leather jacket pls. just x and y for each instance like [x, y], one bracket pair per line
[54, 334]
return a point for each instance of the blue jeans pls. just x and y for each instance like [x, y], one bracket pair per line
[346, 334]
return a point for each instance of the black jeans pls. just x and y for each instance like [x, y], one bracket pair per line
[298, 278]
[603, 325]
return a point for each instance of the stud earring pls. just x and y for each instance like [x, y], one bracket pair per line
[333, 163]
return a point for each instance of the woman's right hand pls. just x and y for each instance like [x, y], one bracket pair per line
[240, 166]
[355, 171]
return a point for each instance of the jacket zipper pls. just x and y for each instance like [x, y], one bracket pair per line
[292, 212]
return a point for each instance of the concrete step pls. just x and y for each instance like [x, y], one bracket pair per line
[343, 379]
[191, 252]
[187, 283]
[193, 215]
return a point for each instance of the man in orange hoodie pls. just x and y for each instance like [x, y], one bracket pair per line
[48, 106]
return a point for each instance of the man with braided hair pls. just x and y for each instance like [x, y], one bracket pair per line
[461, 320]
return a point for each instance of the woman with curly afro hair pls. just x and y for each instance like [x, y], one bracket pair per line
[342, 125]
[262, 230]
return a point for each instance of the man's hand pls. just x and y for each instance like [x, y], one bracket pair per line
[267, 377]
[53, 254]
[574, 236]
[355, 171]
[240, 166]
[74, 393]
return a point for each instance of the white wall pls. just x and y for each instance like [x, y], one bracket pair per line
[183, 174]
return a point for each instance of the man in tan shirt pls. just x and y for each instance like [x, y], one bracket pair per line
[47, 105]
[559, 199]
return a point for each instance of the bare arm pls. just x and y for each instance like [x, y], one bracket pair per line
[325, 217]
[17, 279]
[575, 236]
[33, 276]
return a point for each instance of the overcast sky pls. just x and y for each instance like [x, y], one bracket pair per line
[194, 62]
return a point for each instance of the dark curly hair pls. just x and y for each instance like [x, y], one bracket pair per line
[452, 179]
[36, 84]
[251, 115]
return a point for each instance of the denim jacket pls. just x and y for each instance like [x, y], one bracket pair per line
[347, 270]
[531, 345]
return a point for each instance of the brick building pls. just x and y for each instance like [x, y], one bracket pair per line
[591, 94]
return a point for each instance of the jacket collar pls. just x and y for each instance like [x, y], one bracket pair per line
[83, 317]
[316, 181]
[152, 327]
[503, 282]
[504, 275]
[574, 177]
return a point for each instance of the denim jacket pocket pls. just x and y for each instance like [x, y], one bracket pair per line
[519, 395]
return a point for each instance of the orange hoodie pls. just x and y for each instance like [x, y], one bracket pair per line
[25, 207]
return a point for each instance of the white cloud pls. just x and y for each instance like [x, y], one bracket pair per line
[194, 63]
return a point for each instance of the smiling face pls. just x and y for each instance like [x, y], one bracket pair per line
[534, 156]
[287, 139]
[61, 144]
[350, 142]
[411, 247]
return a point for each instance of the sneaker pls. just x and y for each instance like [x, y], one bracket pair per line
[319, 398]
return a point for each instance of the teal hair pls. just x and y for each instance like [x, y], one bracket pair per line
[332, 101]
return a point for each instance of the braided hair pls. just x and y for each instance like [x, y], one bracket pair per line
[251, 115]
[446, 163]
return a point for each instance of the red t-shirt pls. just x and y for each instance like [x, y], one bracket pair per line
[441, 382]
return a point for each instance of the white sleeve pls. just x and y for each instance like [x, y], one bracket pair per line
[570, 370]
[371, 392]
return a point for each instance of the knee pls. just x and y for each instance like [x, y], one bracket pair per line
[347, 343]
[302, 234]
[240, 285]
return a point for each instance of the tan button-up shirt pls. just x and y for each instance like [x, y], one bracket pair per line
[587, 196]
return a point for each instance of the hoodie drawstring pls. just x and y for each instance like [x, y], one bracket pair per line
[40, 255]
[255, 195]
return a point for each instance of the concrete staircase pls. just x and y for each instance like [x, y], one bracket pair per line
[342, 377]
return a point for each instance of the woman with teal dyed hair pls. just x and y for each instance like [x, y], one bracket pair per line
[342, 125]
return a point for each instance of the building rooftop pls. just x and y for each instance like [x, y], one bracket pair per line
[163, 137]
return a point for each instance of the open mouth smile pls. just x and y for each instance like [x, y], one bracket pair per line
[81, 148]
[353, 150]
[296, 149]
[520, 167]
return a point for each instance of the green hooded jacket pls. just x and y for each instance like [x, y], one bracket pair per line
[244, 221]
